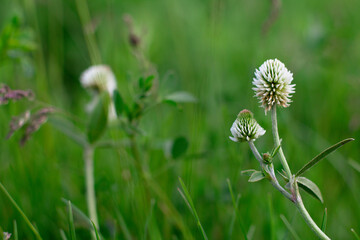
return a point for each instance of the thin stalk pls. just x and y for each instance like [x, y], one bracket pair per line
[90, 188]
[277, 141]
[273, 179]
[310, 222]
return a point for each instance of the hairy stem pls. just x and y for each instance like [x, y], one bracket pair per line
[310, 222]
[271, 172]
[277, 142]
[90, 188]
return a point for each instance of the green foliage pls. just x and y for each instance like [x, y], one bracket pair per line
[179, 147]
[98, 118]
[322, 155]
[256, 176]
[310, 187]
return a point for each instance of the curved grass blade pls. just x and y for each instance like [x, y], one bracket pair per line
[187, 198]
[71, 222]
[289, 227]
[355, 234]
[96, 231]
[310, 187]
[322, 155]
[324, 221]
[63, 235]
[33, 229]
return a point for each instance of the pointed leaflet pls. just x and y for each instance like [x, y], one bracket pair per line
[179, 147]
[324, 220]
[256, 176]
[98, 118]
[310, 187]
[322, 155]
[118, 103]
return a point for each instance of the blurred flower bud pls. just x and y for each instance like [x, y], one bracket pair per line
[267, 158]
[245, 128]
[273, 84]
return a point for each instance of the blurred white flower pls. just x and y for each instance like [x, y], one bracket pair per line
[273, 84]
[100, 78]
[245, 128]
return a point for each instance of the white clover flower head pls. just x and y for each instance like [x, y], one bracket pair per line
[245, 128]
[99, 78]
[273, 84]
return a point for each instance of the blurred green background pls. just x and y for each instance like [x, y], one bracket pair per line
[210, 48]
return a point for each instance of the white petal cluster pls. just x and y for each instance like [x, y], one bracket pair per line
[99, 78]
[273, 84]
[245, 128]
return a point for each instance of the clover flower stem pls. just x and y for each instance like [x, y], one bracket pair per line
[277, 141]
[273, 179]
[300, 205]
[255, 152]
[90, 187]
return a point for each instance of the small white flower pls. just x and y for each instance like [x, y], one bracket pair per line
[99, 78]
[245, 128]
[273, 84]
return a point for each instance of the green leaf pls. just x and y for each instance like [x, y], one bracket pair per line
[71, 222]
[310, 187]
[148, 83]
[179, 147]
[248, 172]
[181, 97]
[118, 103]
[324, 221]
[256, 176]
[69, 129]
[275, 151]
[98, 118]
[322, 155]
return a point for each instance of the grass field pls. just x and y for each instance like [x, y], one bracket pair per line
[210, 49]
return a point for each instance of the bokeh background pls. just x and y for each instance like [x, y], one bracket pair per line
[211, 49]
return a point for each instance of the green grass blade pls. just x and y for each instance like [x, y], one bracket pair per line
[355, 234]
[236, 204]
[187, 198]
[71, 222]
[324, 220]
[123, 226]
[79, 215]
[96, 231]
[31, 226]
[289, 227]
[63, 235]
[354, 165]
[16, 235]
[322, 155]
